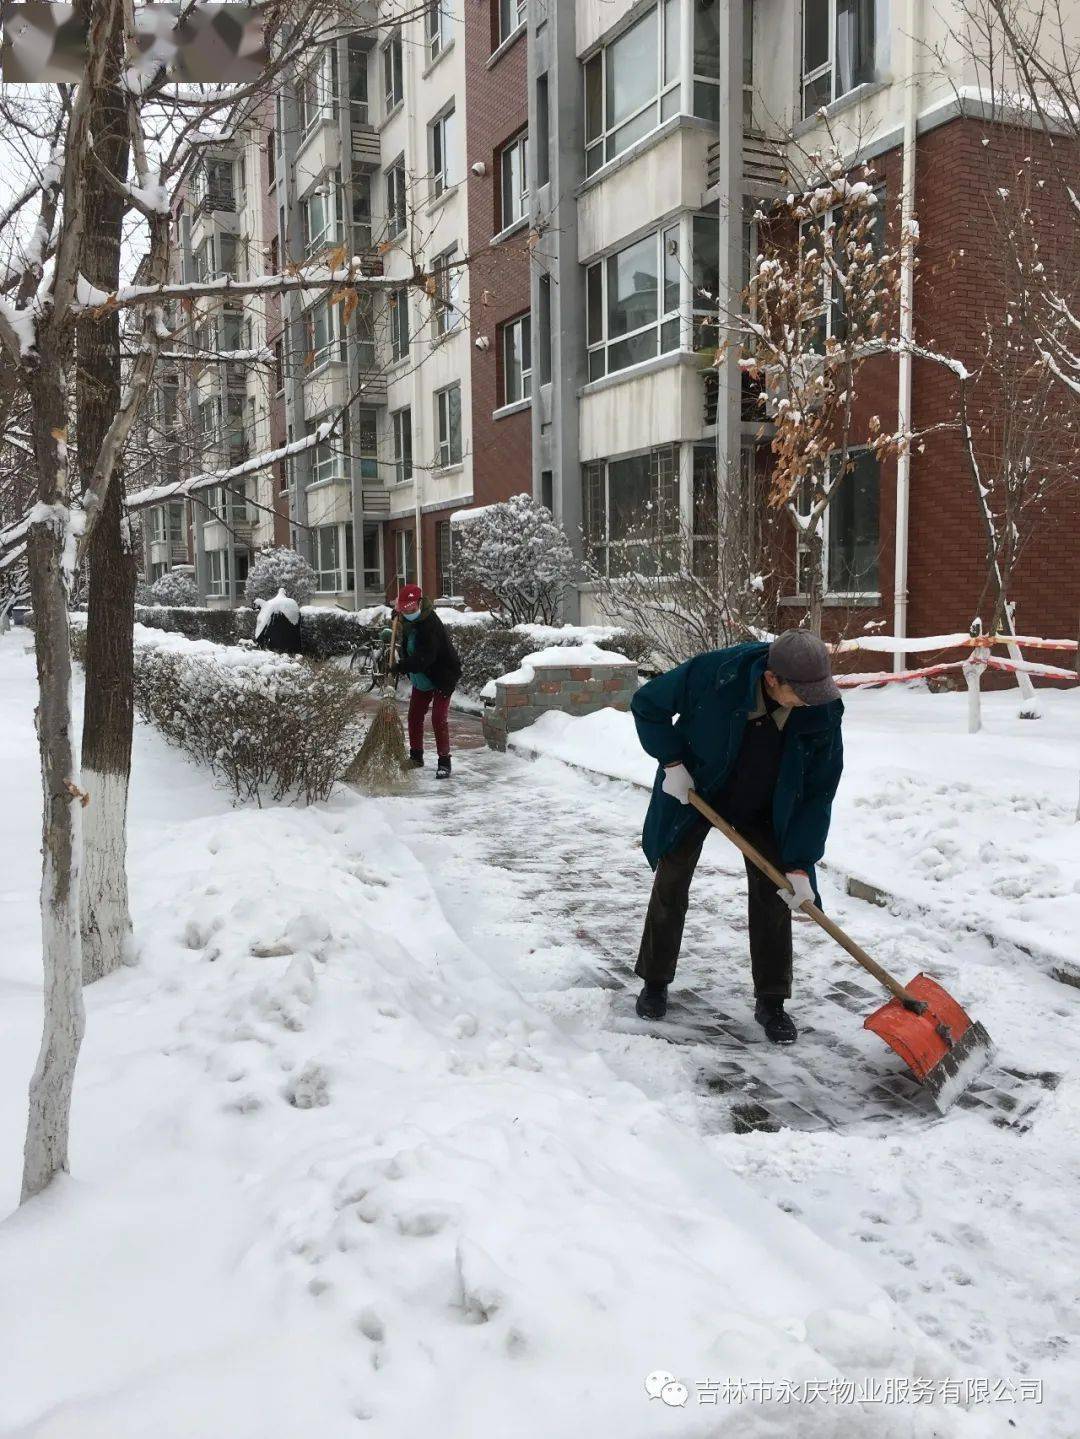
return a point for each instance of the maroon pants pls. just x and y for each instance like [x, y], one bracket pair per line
[418, 708]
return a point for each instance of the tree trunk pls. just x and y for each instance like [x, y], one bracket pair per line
[46, 1150]
[108, 705]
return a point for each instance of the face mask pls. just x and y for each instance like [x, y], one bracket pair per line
[414, 616]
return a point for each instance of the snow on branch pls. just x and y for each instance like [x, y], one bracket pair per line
[159, 494]
[89, 297]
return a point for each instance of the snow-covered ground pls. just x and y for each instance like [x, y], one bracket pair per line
[977, 826]
[366, 1144]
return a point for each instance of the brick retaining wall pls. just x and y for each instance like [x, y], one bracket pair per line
[574, 689]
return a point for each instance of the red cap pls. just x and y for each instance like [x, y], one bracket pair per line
[409, 597]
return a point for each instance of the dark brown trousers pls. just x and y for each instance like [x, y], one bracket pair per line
[769, 916]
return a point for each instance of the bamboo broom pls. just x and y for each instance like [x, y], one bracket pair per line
[382, 761]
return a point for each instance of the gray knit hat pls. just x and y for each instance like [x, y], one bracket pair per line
[801, 660]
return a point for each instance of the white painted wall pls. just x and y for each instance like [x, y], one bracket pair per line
[658, 408]
[656, 184]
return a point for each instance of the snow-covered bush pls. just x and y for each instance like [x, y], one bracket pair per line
[514, 559]
[269, 726]
[142, 593]
[222, 627]
[276, 569]
[174, 589]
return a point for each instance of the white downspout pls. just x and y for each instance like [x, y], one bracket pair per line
[907, 299]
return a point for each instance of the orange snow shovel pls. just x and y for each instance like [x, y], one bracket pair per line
[942, 1046]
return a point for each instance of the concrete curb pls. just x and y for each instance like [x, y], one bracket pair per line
[1058, 966]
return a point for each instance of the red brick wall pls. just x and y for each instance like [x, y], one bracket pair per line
[960, 285]
[428, 576]
[499, 276]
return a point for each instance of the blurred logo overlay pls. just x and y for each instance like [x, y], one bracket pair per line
[45, 43]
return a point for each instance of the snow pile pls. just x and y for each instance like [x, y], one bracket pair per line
[451, 617]
[563, 634]
[334, 1172]
[281, 604]
[561, 655]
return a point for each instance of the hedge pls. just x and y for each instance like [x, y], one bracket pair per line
[486, 650]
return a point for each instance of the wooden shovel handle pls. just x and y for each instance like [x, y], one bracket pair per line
[808, 906]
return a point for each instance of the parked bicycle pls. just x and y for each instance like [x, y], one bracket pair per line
[371, 662]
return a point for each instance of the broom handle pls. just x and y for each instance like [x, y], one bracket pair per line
[808, 906]
[387, 689]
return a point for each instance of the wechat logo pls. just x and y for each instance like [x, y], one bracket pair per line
[662, 1385]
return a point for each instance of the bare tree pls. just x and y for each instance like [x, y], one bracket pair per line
[822, 290]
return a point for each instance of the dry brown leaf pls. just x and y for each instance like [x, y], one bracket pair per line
[76, 793]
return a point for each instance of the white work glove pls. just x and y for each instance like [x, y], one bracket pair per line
[800, 883]
[678, 782]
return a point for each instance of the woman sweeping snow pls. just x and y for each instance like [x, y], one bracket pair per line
[434, 667]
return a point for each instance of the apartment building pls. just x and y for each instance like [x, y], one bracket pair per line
[565, 192]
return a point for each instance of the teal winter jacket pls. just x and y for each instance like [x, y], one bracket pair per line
[695, 715]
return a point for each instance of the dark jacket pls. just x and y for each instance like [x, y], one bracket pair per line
[432, 654]
[280, 634]
[695, 715]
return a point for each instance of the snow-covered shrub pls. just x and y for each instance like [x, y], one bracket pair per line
[268, 725]
[280, 568]
[514, 559]
[142, 593]
[174, 589]
[222, 627]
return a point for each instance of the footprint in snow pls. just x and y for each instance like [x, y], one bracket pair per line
[310, 1089]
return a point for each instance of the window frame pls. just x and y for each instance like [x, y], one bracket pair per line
[441, 132]
[863, 593]
[400, 337]
[401, 430]
[319, 534]
[446, 313]
[444, 559]
[517, 211]
[329, 194]
[393, 73]
[405, 557]
[830, 66]
[435, 39]
[512, 15]
[445, 458]
[333, 347]
[396, 199]
[664, 484]
[523, 325]
[599, 149]
[601, 347]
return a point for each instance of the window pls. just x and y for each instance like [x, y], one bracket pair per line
[327, 460]
[395, 199]
[705, 278]
[446, 304]
[838, 49]
[275, 255]
[215, 256]
[707, 59]
[372, 557]
[405, 557]
[241, 181]
[366, 443]
[513, 182]
[545, 329]
[398, 303]
[325, 551]
[512, 15]
[632, 85]
[434, 29]
[271, 173]
[169, 526]
[324, 338]
[631, 315]
[279, 364]
[317, 91]
[516, 354]
[212, 185]
[851, 534]
[217, 572]
[448, 427]
[630, 509]
[543, 132]
[358, 82]
[852, 529]
[393, 83]
[443, 157]
[402, 421]
[319, 213]
[364, 331]
[444, 559]
[361, 211]
[748, 64]
[547, 490]
[821, 234]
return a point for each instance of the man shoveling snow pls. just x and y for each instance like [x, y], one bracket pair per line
[755, 730]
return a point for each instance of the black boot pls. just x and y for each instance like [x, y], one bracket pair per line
[416, 758]
[443, 771]
[652, 1001]
[778, 1026]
